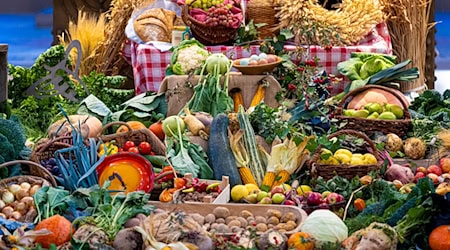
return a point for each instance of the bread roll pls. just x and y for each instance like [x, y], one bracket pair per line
[155, 25]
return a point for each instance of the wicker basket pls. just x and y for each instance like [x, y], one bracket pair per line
[135, 135]
[46, 148]
[369, 126]
[37, 174]
[263, 11]
[344, 170]
[208, 35]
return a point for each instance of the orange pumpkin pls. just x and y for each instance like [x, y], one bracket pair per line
[301, 241]
[157, 129]
[439, 238]
[134, 125]
[60, 228]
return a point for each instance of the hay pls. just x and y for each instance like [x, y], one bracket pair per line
[408, 24]
[109, 58]
[89, 30]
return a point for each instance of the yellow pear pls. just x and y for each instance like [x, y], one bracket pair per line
[343, 158]
[370, 158]
[343, 151]
[357, 161]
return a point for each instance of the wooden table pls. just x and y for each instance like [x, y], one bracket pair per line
[3, 77]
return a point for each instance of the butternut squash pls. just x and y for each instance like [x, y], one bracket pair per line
[134, 125]
[90, 126]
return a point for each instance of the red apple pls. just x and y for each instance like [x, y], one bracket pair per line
[334, 198]
[433, 177]
[435, 169]
[289, 203]
[324, 205]
[444, 163]
[314, 199]
[421, 169]
[277, 190]
[419, 175]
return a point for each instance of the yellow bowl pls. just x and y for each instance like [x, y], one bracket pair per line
[256, 69]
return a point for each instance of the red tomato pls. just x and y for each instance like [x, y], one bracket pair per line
[128, 145]
[134, 150]
[145, 148]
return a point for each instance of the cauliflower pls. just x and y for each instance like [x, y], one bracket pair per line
[188, 56]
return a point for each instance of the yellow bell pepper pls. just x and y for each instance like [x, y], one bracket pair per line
[110, 149]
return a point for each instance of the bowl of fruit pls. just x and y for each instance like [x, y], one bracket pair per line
[257, 64]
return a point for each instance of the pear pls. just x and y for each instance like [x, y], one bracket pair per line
[374, 115]
[362, 113]
[374, 107]
[387, 115]
[349, 112]
[396, 109]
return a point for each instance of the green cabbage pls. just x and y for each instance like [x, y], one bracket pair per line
[325, 226]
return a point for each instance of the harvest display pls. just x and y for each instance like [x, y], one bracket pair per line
[264, 150]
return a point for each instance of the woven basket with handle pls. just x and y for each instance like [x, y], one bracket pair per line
[135, 135]
[369, 126]
[328, 171]
[46, 148]
[263, 11]
[35, 174]
[205, 34]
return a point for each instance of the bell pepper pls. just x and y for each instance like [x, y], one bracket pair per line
[110, 149]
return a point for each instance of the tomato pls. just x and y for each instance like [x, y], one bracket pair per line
[134, 150]
[179, 183]
[128, 145]
[145, 148]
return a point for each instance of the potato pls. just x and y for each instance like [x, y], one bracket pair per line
[273, 220]
[221, 212]
[291, 223]
[280, 226]
[250, 218]
[245, 214]
[214, 226]
[289, 227]
[236, 230]
[243, 221]
[198, 218]
[273, 212]
[260, 219]
[261, 227]
[223, 229]
[220, 220]
[230, 218]
[210, 218]
[234, 223]
[290, 216]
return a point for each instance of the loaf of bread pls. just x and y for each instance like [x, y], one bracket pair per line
[155, 25]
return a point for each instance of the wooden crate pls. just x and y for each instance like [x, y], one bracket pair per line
[235, 209]
[223, 198]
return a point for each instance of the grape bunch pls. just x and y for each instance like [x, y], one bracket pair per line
[50, 165]
[203, 4]
[219, 15]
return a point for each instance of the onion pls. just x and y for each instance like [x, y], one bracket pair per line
[14, 188]
[3, 215]
[22, 193]
[7, 211]
[21, 207]
[25, 186]
[8, 197]
[34, 189]
[2, 204]
[16, 215]
[29, 201]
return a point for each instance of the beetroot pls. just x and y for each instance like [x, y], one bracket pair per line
[397, 172]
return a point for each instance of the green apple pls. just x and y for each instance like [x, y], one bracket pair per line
[325, 194]
[261, 195]
[278, 198]
[252, 198]
[266, 200]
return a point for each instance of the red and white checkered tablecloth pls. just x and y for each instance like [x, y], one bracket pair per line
[149, 63]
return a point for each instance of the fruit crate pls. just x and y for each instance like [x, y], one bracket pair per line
[222, 198]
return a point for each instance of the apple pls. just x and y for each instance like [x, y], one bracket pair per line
[433, 177]
[435, 169]
[324, 205]
[261, 195]
[289, 203]
[278, 198]
[325, 194]
[252, 198]
[266, 200]
[334, 198]
[419, 175]
[314, 199]
[421, 169]
[444, 164]
[277, 189]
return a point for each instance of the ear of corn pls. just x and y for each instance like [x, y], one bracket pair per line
[281, 178]
[246, 175]
[268, 181]
[238, 100]
[259, 96]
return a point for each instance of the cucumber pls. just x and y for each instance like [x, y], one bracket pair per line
[158, 161]
[221, 157]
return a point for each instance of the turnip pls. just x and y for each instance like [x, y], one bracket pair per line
[398, 172]
[170, 125]
[128, 239]
[220, 60]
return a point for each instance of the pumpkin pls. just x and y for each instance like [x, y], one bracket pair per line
[157, 129]
[301, 241]
[134, 125]
[60, 231]
[90, 126]
[375, 95]
[439, 238]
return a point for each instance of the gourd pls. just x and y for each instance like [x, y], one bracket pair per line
[439, 238]
[220, 155]
[134, 125]
[301, 241]
[60, 231]
[90, 126]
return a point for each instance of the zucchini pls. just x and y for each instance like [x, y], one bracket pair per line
[256, 164]
[158, 161]
[221, 157]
